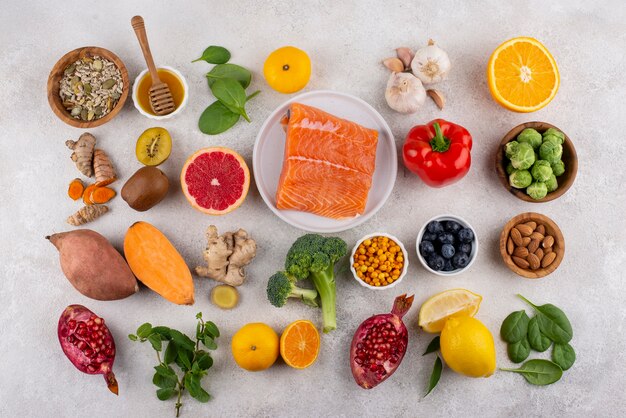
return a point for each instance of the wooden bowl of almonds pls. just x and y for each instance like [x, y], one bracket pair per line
[532, 245]
[87, 87]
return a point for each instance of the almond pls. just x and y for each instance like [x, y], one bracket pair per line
[516, 236]
[521, 252]
[509, 246]
[539, 254]
[537, 235]
[548, 259]
[547, 250]
[524, 229]
[534, 244]
[532, 225]
[541, 229]
[548, 241]
[533, 261]
[520, 262]
[525, 241]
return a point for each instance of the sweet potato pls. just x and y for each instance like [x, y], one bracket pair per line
[157, 264]
[93, 266]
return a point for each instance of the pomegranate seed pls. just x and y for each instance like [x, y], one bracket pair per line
[373, 367]
[109, 352]
[81, 345]
[91, 368]
[98, 321]
[95, 328]
[71, 324]
[88, 352]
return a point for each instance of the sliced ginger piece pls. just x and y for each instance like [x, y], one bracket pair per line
[224, 296]
[76, 189]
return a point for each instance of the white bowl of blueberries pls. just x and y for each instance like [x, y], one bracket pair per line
[447, 245]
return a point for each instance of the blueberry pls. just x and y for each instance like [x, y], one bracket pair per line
[447, 250]
[434, 227]
[453, 226]
[464, 247]
[429, 237]
[448, 266]
[460, 260]
[445, 238]
[436, 262]
[426, 248]
[466, 235]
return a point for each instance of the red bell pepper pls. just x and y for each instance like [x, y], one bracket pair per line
[438, 152]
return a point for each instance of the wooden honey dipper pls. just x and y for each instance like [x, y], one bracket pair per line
[161, 99]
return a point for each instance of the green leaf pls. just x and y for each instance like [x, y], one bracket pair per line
[164, 382]
[253, 95]
[214, 55]
[216, 119]
[170, 353]
[165, 371]
[519, 351]
[231, 94]
[164, 332]
[537, 340]
[514, 327]
[182, 340]
[539, 372]
[433, 346]
[199, 315]
[563, 355]
[155, 340]
[205, 361]
[209, 343]
[165, 394]
[192, 383]
[236, 72]
[435, 375]
[184, 359]
[132, 337]
[212, 329]
[553, 322]
[198, 329]
[144, 330]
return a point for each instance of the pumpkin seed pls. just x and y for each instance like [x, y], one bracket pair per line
[98, 110]
[69, 70]
[97, 65]
[76, 111]
[83, 114]
[108, 84]
[87, 88]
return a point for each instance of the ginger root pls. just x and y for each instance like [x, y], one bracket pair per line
[83, 152]
[75, 189]
[87, 214]
[105, 174]
[226, 256]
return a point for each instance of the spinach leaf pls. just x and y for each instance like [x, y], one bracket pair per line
[433, 346]
[214, 55]
[514, 327]
[233, 71]
[563, 355]
[539, 372]
[552, 321]
[217, 119]
[537, 340]
[232, 95]
[435, 375]
[519, 351]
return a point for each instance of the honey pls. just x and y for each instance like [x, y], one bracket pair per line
[169, 78]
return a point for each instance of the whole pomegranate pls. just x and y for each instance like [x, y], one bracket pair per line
[87, 342]
[379, 344]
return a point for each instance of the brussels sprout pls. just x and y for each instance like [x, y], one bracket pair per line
[530, 136]
[520, 179]
[552, 184]
[558, 168]
[553, 138]
[541, 170]
[524, 158]
[511, 148]
[555, 132]
[550, 151]
[537, 190]
[509, 168]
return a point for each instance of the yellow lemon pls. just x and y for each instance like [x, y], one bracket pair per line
[454, 302]
[255, 347]
[467, 347]
[287, 69]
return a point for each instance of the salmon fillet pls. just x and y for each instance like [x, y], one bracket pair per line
[328, 166]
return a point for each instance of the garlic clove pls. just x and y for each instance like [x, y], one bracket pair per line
[394, 64]
[406, 56]
[438, 97]
[405, 93]
[431, 64]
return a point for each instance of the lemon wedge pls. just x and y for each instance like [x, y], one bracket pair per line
[454, 302]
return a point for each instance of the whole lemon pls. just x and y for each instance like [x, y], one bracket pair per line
[287, 69]
[255, 347]
[467, 347]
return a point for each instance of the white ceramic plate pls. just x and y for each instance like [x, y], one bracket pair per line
[269, 148]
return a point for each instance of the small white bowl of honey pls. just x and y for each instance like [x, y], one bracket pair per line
[175, 81]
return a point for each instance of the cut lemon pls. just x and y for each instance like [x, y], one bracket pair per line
[300, 344]
[522, 75]
[455, 302]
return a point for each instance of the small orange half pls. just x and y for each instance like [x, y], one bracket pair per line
[522, 75]
[300, 344]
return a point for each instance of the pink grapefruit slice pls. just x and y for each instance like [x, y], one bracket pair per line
[215, 180]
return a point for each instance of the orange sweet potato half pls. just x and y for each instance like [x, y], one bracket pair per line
[157, 264]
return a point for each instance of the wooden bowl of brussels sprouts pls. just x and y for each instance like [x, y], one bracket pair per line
[536, 162]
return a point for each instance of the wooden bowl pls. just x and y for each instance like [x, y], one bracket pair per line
[57, 73]
[569, 159]
[551, 229]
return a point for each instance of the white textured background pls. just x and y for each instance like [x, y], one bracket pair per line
[346, 41]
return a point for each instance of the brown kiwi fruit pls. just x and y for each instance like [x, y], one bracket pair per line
[154, 146]
[147, 187]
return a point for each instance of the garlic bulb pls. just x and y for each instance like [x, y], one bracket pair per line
[431, 64]
[405, 93]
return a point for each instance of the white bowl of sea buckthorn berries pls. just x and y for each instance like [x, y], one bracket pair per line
[379, 261]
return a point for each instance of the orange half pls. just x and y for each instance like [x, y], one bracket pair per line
[300, 344]
[522, 75]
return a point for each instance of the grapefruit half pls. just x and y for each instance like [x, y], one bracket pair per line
[215, 180]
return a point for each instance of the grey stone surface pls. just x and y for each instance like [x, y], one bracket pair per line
[346, 41]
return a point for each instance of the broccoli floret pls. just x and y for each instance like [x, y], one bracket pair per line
[314, 256]
[280, 287]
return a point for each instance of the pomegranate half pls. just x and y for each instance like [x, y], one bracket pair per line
[379, 344]
[87, 343]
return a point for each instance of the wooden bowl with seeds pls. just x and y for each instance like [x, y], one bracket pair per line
[569, 158]
[532, 245]
[100, 90]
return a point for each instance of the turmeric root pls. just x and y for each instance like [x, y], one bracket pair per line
[105, 174]
[83, 152]
[87, 194]
[87, 214]
[226, 256]
[102, 195]
[76, 189]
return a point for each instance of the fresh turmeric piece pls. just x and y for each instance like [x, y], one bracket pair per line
[102, 195]
[105, 174]
[87, 194]
[87, 214]
[75, 189]
[83, 153]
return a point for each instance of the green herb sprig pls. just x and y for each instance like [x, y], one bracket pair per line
[181, 350]
[435, 375]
